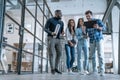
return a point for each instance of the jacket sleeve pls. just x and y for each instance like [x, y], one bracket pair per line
[47, 26]
[101, 24]
[67, 33]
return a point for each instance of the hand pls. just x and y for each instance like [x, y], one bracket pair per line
[63, 33]
[53, 33]
[96, 26]
[71, 44]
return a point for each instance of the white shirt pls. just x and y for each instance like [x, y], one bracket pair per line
[68, 36]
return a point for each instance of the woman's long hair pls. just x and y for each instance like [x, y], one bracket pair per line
[78, 25]
[69, 25]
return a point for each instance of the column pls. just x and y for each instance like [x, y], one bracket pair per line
[115, 35]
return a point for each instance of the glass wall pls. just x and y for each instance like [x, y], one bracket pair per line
[25, 48]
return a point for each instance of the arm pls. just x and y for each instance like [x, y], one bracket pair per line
[68, 37]
[47, 25]
[67, 34]
[100, 26]
[62, 30]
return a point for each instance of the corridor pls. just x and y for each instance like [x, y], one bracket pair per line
[24, 50]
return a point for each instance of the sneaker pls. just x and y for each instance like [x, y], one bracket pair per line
[56, 70]
[70, 72]
[86, 72]
[101, 73]
[81, 73]
[53, 71]
[93, 73]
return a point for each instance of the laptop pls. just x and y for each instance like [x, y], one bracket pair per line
[89, 24]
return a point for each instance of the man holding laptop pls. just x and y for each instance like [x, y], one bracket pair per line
[94, 29]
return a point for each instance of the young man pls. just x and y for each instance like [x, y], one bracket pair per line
[54, 27]
[96, 42]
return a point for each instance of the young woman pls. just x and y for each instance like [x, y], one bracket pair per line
[70, 45]
[82, 45]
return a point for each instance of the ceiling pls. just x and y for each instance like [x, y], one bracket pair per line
[68, 7]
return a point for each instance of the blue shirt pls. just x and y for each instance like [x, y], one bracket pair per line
[96, 35]
[51, 25]
[79, 35]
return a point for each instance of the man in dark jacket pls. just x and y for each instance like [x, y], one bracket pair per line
[54, 27]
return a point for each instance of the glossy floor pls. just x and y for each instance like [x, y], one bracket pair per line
[64, 76]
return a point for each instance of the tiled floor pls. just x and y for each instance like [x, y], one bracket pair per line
[64, 76]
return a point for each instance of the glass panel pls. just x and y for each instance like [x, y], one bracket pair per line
[11, 32]
[29, 22]
[27, 60]
[31, 7]
[45, 34]
[45, 56]
[9, 59]
[39, 31]
[14, 10]
[39, 15]
[37, 57]
[28, 41]
[45, 68]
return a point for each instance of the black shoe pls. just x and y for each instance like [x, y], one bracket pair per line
[56, 70]
[53, 71]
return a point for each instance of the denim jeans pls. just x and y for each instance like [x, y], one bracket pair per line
[82, 47]
[70, 55]
[100, 50]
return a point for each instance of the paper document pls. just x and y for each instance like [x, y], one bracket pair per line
[56, 30]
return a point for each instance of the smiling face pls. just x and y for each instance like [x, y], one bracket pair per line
[81, 22]
[88, 16]
[72, 24]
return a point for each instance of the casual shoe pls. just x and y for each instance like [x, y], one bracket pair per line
[93, 73]
[86, 72]
[70, 72]
[56, 70]
[81, 73]
[101, 73]
[53, 71]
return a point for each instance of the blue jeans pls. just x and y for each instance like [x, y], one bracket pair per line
[82, 46]
[100, 50]
[70, 55]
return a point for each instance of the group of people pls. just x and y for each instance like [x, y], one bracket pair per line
[75, 36]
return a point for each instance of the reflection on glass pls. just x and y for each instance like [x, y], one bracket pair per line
[8, 59]
[37, 59]
[26, 64]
